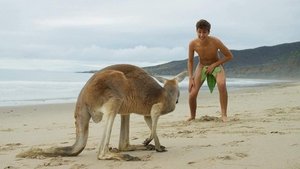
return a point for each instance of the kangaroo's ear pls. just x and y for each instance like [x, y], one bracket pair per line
[181, 76]
[160, 79]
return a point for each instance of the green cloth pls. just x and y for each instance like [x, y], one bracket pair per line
[211, 78]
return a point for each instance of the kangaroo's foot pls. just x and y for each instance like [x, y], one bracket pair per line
[152, 147]
[161, 149]
[140, 147]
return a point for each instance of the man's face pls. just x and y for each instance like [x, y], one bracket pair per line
[202, 33]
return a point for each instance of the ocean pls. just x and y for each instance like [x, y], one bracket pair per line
[27, 87]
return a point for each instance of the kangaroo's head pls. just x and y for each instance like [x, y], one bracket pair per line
[171, 86]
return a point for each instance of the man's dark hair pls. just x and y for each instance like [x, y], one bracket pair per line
[203, 24]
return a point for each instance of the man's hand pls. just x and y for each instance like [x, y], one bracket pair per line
[210, 69]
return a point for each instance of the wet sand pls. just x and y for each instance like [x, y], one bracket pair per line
[263, 131]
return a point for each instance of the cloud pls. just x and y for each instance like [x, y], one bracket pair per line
[96, 31]
[84, 21]
[89, 58]
[39, 64]
[137, 53]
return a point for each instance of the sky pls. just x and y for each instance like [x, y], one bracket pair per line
[78, 35]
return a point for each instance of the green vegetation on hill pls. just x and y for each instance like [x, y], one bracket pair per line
[280, 61]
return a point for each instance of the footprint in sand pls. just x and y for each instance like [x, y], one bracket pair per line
[79, 166]
[241, 155]
[277, 132]
[10, 146]
[56, 161]
[90, 148]
[233, 143]
[7, 130]
[208, 118]
[232, 156]
[10, 167]
[226, 157]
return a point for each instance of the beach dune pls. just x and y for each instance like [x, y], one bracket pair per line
[263, 131]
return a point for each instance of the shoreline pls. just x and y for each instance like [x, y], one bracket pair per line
[183, 88]
[60, 90]
[263, 131]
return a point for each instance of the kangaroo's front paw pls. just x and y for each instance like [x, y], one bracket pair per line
[150, 147]
[161, 149]
[147, 141]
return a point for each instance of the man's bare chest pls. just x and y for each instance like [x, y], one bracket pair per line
[209, 51]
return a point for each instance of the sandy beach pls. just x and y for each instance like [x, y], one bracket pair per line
[263, 132]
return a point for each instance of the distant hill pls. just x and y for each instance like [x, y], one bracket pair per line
[280, 61]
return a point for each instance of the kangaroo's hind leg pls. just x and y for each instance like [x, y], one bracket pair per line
[110, 110]
[124, 144]
[124, 134]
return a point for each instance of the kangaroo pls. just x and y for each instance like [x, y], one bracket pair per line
[119, 89]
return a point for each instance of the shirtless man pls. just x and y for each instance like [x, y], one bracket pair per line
[207, 48]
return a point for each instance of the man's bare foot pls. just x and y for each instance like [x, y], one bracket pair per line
[224, 118]
[191, 119]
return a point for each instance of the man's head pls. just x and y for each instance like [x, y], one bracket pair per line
[203, 29]
[203, 24]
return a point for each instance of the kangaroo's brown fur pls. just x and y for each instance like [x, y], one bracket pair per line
[120, 89]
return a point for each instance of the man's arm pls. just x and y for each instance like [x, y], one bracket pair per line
[225, 51]
[190, 63]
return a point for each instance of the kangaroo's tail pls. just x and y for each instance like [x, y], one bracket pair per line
[82, 118]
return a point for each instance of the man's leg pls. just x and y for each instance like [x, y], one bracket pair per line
[193, 103]
[221, 82]
[194, 93]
